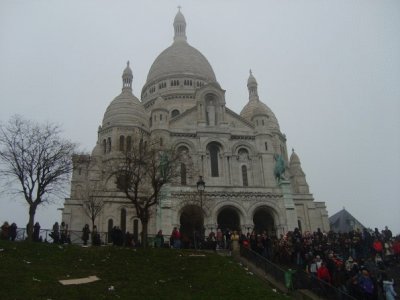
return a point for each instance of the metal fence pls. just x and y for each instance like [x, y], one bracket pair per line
[75, 237]
[295, 279]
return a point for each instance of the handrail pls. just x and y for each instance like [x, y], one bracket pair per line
[294, 279]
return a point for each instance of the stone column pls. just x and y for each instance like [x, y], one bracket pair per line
[291, 214]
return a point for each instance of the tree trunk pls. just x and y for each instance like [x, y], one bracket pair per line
[29, 229]
[144, 234]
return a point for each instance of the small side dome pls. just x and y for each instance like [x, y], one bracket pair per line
[125, 109]
[294, 158]
[256, 108]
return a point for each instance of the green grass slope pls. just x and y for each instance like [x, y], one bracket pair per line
[33, 271]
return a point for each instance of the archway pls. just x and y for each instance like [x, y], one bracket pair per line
[264, 221]
[192, 225]
[228, 218]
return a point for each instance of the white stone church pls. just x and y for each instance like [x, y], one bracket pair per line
[183, 105]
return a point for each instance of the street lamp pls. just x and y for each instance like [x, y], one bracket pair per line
[201, 185]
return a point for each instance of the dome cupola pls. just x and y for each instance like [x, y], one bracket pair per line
[179, 68]
[125, 109]
[255, 110]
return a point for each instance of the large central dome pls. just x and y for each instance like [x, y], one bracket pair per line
[180, 66]
[181, 59]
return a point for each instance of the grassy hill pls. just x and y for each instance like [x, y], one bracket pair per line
[33, 271]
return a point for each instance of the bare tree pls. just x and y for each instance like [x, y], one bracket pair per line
[94, 202]
[37, 158]
[141, 173]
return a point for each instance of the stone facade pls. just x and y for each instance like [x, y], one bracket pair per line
[183, 105]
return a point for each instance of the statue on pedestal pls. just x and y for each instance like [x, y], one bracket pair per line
[280, 167]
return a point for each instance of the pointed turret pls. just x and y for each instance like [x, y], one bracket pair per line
[127, 78]
[297, 176]
[252, 87]
[179, 26]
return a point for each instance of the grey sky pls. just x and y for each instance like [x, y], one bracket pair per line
[329, 70]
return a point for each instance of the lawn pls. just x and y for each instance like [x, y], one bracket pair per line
[33, 271]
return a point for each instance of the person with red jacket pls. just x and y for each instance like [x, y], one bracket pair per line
[323, 273]
[396, 248]
[176, 238]
[377, 246]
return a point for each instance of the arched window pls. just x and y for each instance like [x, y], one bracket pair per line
[121, 143]
[244, 176]
[213, 149]
[266, 146]
[174, 113]
[183, 174]
[109, 144]
[123, 220]
[161, 141]
[110, 227]
[104, 146]
[128, 143]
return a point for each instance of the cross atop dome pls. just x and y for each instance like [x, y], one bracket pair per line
[179, 26]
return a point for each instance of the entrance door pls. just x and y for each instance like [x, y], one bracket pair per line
[228, 218]
[192, 225]
[263, 221]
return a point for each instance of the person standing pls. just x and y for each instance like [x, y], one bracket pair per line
[159, 240]
[235, 243]
[176, 238]
[55, 233]
[13, 231]
[36, 232]
[5, 231]
[85, 234]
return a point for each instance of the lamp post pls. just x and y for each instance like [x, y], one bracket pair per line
[201, 185]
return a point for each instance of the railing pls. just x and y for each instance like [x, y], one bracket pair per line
[75, 237]
[294, 279]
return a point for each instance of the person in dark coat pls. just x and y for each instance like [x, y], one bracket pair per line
[85, 234]
[13, 232]
[36, 232]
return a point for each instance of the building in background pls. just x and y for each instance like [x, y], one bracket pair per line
[343, 221]
[183, 105]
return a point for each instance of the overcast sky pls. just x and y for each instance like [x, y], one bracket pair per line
[329, 70]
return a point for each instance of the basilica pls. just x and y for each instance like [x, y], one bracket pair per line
[228, 175]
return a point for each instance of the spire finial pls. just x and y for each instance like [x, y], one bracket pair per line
[127, 77]
[179, 26]
[252, 87]
[293, 150]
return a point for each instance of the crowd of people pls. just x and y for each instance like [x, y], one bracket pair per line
[357, 262]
